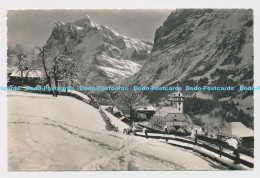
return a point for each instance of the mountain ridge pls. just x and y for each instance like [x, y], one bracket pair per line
[106, 56]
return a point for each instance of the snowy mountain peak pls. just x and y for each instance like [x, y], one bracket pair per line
[58, 24]
[106, 56]
[87, 17]
[85, 22]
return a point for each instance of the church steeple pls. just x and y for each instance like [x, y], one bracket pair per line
[177, 101]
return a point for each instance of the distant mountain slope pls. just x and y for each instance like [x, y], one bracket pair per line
[195, 43]
[105, 55]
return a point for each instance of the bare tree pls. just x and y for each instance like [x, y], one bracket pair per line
[21, 54]
[65, 67]
[43, 55]
[112, 100]
[128, 99]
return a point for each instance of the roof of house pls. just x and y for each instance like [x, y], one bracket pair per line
[237, 129]
[115, 109]
[170, 110]
[127, 115]
[31, 74]
[11, 69]
[176, 94]
[164, 111]
[160, 114]
[177, 117]
[177, 123]
[172, 116]
[147, 108]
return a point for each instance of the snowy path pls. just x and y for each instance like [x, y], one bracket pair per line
[46, 133]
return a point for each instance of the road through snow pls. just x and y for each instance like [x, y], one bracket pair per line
[63, 133]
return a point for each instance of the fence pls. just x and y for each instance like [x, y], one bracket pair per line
[204, 148]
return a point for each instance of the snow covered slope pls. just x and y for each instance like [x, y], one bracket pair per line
[46, 133]
[105, 55]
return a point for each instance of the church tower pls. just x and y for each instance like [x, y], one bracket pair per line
[177, 101]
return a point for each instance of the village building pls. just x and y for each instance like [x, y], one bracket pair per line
[172, 117]
[239, 131]
[116, 112]
[26, 77]
[65, 83]
[149, 111]
[125, 120]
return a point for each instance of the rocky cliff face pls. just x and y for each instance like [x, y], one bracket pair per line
[105, 55]
[194, 44]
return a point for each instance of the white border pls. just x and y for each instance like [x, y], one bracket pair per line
[118, 4]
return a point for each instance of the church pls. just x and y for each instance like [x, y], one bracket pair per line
[172, 117]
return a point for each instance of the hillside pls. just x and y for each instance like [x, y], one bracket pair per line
[64, 134]
[192, 44]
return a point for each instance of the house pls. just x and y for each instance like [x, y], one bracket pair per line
[199, 129]
[172, 117]
[26, 77]
[116, 112]
[125, 120]
[239, 131]
[65, 83]
[147, 110]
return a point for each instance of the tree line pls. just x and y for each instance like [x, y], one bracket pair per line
[61, 66]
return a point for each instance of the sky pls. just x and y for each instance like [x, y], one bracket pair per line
[33, 27]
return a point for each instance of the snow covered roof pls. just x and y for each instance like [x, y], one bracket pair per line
[237, 129]
[169, 110]
[179, 123]
[162, 112]
[11, 69]
[147, 108]
[31, 74]
[176, 94]
[232, 142]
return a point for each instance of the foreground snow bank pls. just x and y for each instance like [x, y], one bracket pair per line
[62, 109]
[63, 133]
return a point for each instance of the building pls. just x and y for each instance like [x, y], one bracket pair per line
[149, 111]
[116, 112]
[26, 77]
[239, 131]
[172, 117]
[65, 83]
[177, 101]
